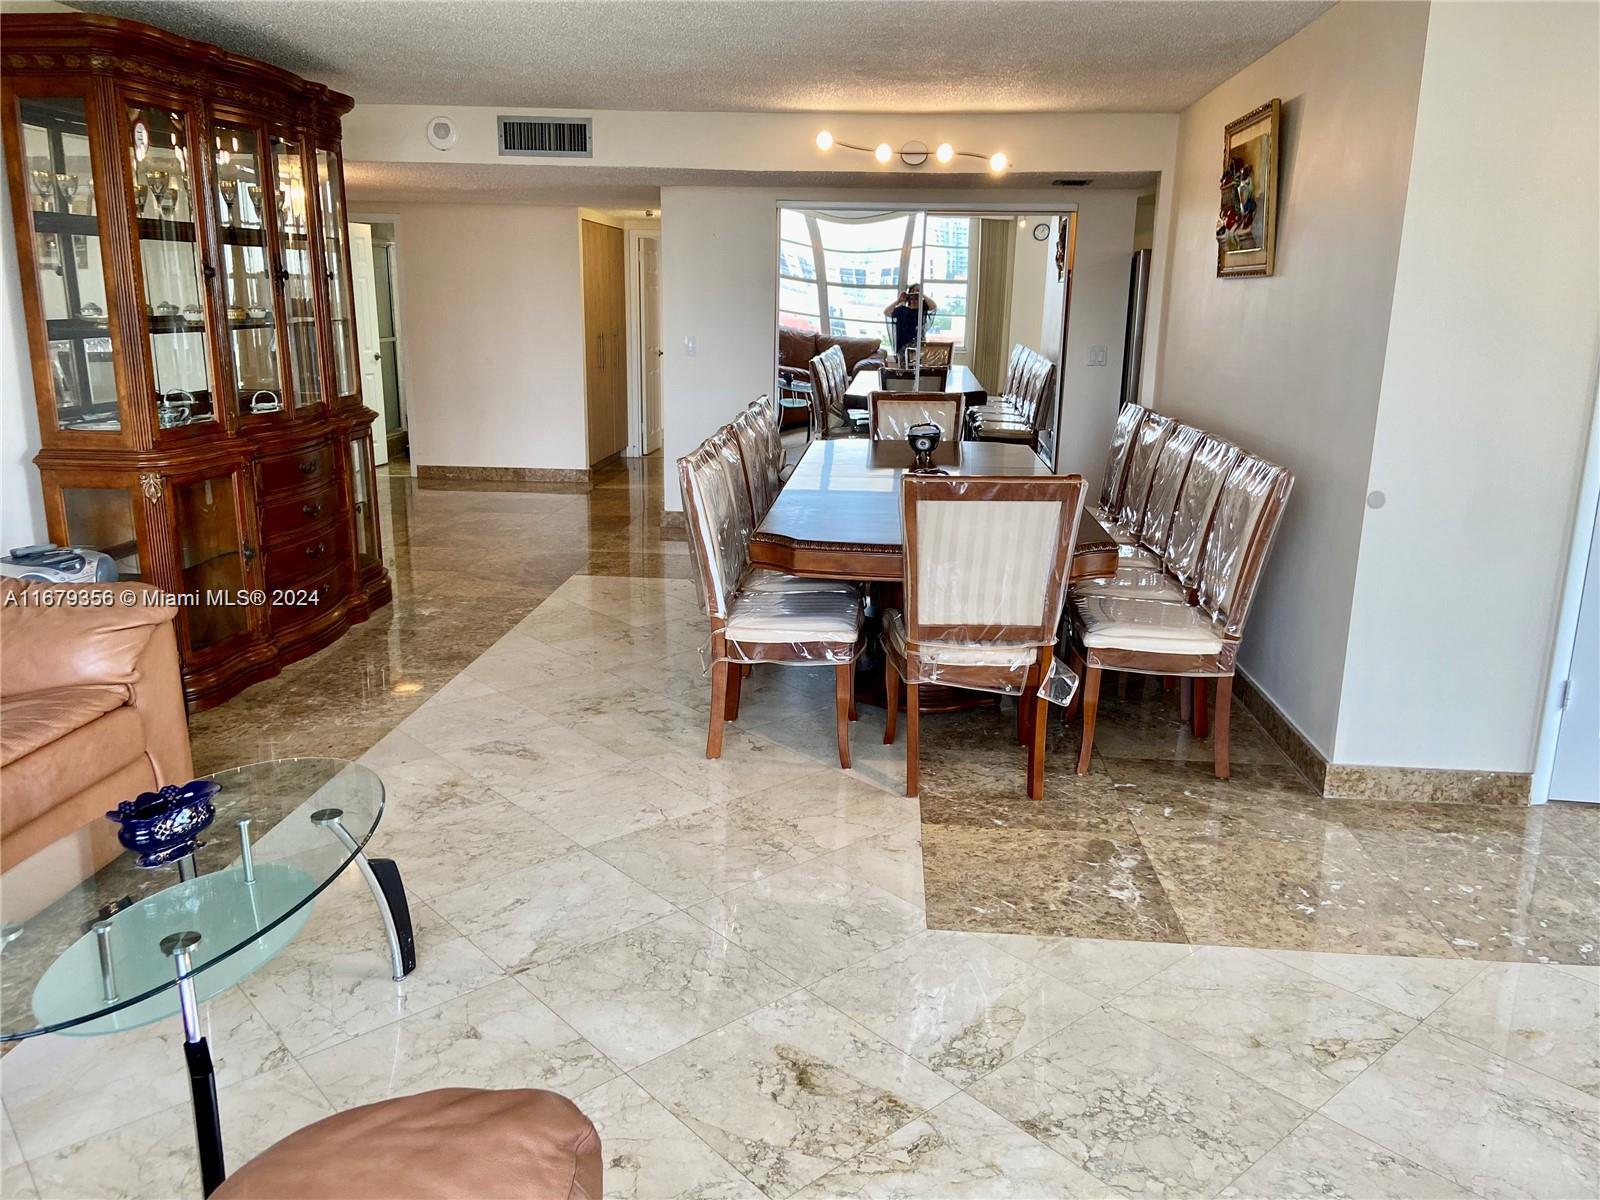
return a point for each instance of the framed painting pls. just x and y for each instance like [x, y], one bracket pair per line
[1247, 222]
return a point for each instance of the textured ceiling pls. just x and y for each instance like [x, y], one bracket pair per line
[744, 56]
[372, 183]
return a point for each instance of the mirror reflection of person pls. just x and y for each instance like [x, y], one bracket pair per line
[906, 313]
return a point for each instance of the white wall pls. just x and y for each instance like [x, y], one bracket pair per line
[719, 285]
[1029, 261]
[21, 499]
[1098, 317]
[1486, 394]
[1290, 366]
[492, 306]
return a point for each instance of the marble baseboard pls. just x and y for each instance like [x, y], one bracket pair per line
[1345, 781]
[506, 474]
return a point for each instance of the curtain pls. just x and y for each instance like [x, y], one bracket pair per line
[996, 244]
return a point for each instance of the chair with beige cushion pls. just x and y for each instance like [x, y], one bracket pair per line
[1152, 435]
[1019, 415]
[521, 1144]
[829, 379]
[986, 567]
[1197, 640]
[936, 352]
[890, 414]
[795, 622]
[760, 470]
[1116, 473]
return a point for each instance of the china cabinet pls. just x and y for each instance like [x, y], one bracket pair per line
[180, 221]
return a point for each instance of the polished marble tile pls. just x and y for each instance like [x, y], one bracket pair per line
[653, 988]
[830, 809]
[519, 662]
[153, 1155]
[592, 809]
[1293, 1033]
[495, 1037]
[1492, 1127]
[1044, 882]
[445, 851]
[1533, 1015]
[16, 1183]
[791, 1091]
[649, 1154]
[1302, 895]
[518, 761]
[810, 920]
[1322, 1160]
[954, 1002]
[1101, 967]
[749, 763]
[455, 724]
[959, 1148]
[537, 913]
[1147, 727]
[891, 861]
[426, 787]
[1413, 986]
[10, 1150]
[43, 1077]
[1140, 1111]
[334, 982]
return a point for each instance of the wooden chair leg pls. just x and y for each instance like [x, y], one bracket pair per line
[913, 738]
[1038, 726]
[1091, 709]
[1185, 699]
[853, 714]
[843, 689]
[719, 708]
[1199, 722]
[736, 674]
[1219, 732]
[891, 695]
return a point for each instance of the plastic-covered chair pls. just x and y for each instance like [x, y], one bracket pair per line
[755, 453]
[986, 567]
[1153, 433]
[1198, 640]
[1128, 419]
[1020, 413]
[829, 380]
[818, 625]
[890, 414]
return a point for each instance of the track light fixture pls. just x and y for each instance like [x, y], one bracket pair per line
[915, 154]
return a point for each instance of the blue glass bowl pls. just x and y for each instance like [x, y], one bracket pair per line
[162, 827]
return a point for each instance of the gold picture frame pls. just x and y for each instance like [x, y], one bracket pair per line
[1247, 219]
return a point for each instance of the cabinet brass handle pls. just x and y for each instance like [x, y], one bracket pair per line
[249, 552]
[312, 510]
[316, 551]
[308, 467]
[208, 271]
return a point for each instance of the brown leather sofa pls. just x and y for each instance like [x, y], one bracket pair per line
[442, 1145]
[796, 349]
[91, 713]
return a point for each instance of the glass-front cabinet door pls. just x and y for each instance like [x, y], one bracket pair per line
[167, 237]
[69, 258]
[368, 553]
[336, 267]
[294, 272]
[251, 303]
[206, 524]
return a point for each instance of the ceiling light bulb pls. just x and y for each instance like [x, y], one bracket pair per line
[824, 140]
[883, 153]
[945, 152]
[998, 161]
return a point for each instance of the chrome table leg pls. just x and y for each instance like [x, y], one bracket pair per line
[202, 1079]
[383, 880]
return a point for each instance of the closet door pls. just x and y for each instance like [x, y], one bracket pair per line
[605, 340]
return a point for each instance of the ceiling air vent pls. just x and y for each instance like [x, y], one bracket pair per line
[547, 137]
[1070, 182]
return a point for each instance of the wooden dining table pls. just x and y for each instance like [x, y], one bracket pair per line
[838, 516]
[958, 381]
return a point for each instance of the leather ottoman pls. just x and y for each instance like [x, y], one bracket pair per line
[441, 1145]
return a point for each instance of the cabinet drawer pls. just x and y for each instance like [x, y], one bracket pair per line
[299, 468]
[309, 555]
[306, 599]
[284, 518]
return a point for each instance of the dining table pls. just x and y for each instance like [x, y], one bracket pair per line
[958, 381]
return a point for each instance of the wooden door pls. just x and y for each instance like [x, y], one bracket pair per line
[365, 294]
[650, 340]
[605, 340]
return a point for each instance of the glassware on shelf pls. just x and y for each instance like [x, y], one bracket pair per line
[67, 186]
[159, 183]
[44, 186]
[141, 195]
[228, 194]
[297, 302]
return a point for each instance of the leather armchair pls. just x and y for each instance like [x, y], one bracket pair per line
[91, 713]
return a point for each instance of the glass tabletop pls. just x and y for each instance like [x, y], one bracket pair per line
[307, 818]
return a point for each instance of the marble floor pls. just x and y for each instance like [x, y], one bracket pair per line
[766, 976]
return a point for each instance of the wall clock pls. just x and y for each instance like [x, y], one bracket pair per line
[1041, 232]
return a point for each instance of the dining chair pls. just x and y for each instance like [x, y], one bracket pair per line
[986, 567]
[1128, 418]
[829, 379]
[937, 353]
[1199, 639]
[913, 379]
[801, 626]
[1152, 435]
[757, 468]
[1020, 416]
[890, 414]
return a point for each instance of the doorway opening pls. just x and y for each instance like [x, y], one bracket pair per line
[374, 261]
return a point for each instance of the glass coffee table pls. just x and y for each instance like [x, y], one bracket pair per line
[132, 945]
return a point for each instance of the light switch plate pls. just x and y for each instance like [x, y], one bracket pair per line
[689, 345]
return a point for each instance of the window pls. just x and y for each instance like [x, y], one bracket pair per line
[865, 261]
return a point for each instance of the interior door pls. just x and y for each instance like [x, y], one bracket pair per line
[605, 340]
[650, 339]
[368, 356]
[1575, 775]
